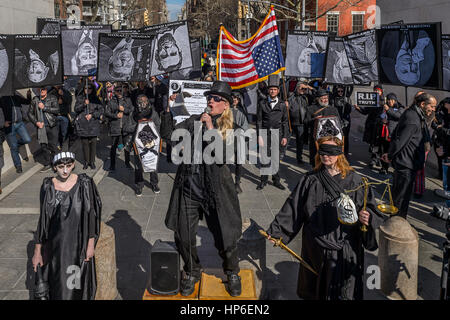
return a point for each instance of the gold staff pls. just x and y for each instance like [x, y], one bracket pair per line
[280, 244]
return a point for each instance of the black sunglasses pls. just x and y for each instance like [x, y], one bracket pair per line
[215, 98]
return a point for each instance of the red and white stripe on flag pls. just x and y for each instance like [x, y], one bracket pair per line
[242, 63]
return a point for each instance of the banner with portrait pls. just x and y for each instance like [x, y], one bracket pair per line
[337, 67]
[80, 47]
[172, 47]
[190, 99]
[124, 57]
[6, 64]
[49, 25]
[147, 142]
[410, 55]
[37, 61]
[195, 72]
[305, 54]
[361, 52]
[446, 62]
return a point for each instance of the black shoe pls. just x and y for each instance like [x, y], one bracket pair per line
[300, 161]
[19, 169]
[442, 194]
[26, 159]
[92, 165]
[261, 185]
[156, 189]
[188, 285]
[128, 165]
[279, 185]
[46, 168]
[233, 285]
[85, 166]
[238, 187]
[138, 192]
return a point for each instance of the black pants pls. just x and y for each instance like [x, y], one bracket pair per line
[126, 138]
[185, 237]
[312, 151]
[139, 174]
[50, 149]
[237, 173]
[402, 188]
[299, 139]
[276, 176]
[384, 148]
[346, 133]
[89, 145]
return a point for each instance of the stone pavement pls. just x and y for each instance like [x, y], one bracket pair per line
[139, 222]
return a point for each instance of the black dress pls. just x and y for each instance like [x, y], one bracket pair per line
[67, 221]
[334, 250]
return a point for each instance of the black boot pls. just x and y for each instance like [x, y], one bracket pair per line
[233, 285]
[238, 187]
[261, 185]
[188, 285]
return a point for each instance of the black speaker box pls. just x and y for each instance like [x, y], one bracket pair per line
[164, 269]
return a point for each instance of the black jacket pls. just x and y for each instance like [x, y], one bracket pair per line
[407, 147]
[85, 128]
[12, 108]
[117, 126]
[276, 118]
[372, 121]
[298, 107]
[149, 114]
[51, 110]
[64, 107]
[344, 108]
[393, 116]
[160, 94]
[441, 126]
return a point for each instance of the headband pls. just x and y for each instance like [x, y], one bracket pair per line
[63, 155]
[330, 150]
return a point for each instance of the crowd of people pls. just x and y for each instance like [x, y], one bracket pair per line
[396, 135]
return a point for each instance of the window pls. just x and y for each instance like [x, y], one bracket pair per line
[358, 22]
[333, 22]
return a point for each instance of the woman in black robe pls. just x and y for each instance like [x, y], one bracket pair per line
[334, 250]
[68, 229]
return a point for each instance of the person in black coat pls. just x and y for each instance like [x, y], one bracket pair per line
[321, 108]
[142, 88]
[409, 144]
[89, 111]
[121, 125]
[271, 114]
[205, 189]
[441, 134]
[144, 111]
[344, 107]
[2, 138]
[298, 108]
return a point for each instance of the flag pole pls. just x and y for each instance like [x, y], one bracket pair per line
[286, 100]
[219, 54]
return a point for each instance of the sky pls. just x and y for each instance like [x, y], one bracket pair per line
[174, 7]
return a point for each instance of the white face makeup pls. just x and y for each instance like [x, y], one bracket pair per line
[65, 170]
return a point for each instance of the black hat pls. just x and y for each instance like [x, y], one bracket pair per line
[222, 89]
[392, 96]
[273, 81]
[321, 93]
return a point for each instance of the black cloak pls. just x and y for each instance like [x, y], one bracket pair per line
[335, 251]
[218, 185]
[64, 230]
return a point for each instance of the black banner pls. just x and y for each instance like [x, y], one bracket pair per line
[37, 61]
[446, 62]
[124, 57]
[80, 48]
[410, 55]
[172, 47]
[337, 67]
[6, 65]
[196, 71]
[49, 26]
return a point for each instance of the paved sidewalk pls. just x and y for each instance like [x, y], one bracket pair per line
[139, 222]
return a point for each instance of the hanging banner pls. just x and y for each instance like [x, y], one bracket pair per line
[196, 71]
[172, 47]
[337, 68]
[6, 65]
[367, 99]
[410, 55]
[124, 57]
[362, 56]
[37, 61]
[49, 25]
[80, 47]
[446, 62]
[305, 54]
[147, 143]
[190, 99]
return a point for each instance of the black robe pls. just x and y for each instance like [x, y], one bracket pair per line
[64, 230]
[334, 250]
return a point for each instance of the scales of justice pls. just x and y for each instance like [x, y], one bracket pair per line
[388, 209]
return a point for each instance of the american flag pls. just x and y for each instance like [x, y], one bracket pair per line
[242, 63]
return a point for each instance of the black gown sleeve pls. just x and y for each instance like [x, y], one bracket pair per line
[41, 234]
[290, 219]
[95, 212]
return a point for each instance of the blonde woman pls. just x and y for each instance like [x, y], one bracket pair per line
[334, 250]
[205, 190]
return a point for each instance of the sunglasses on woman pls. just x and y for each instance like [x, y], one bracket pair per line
[215, 98]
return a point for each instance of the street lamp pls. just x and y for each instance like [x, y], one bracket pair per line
[129, 14]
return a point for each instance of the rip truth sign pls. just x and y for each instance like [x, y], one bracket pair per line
[367, 99]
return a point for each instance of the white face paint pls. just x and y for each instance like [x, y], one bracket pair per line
[64, 170]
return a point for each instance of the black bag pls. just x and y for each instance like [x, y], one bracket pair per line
[41, 288]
